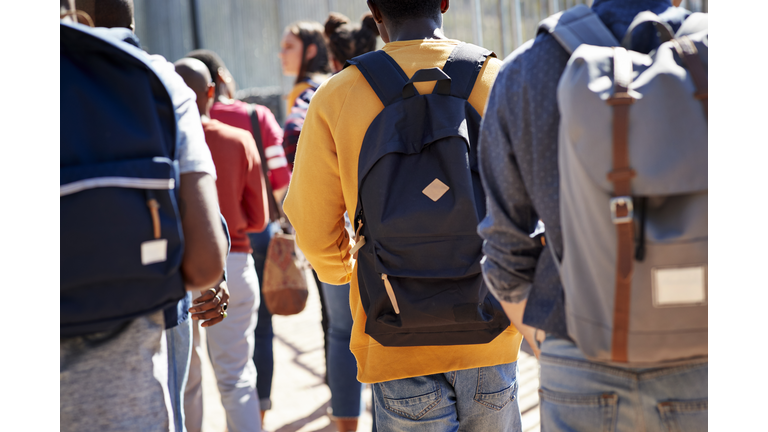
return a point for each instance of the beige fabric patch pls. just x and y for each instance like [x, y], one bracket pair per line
[676, 287]
[435, 190]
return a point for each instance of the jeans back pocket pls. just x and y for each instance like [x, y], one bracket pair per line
[684, 416]
[578, 412]
[411, 398]
[497, 385]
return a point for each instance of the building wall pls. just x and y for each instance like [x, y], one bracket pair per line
[246, 33]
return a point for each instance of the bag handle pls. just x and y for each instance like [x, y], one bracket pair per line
[689, 54]
[664, 30]
[443, 86]
[275, 213]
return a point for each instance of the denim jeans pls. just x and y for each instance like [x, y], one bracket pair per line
[263, 354]
[346, 390]
[579, 395]
[179, 340]
[480, 399]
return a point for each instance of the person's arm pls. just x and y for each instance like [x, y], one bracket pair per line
[205, 244]
[272, 138]
[511, 254]
[294, 123]
[254, 200]
[315, 201]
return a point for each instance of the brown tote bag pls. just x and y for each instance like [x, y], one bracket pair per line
[284, 287]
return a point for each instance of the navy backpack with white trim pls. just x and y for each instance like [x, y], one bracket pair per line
[121, 236]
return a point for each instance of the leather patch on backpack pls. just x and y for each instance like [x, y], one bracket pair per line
[435, 190]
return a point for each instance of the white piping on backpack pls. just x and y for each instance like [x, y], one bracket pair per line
[123, 182]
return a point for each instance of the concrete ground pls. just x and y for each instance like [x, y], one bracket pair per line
[300, 398]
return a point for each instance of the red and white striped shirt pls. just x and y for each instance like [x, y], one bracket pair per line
[236, 114]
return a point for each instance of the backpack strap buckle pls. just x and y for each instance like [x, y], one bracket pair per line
[622, 209]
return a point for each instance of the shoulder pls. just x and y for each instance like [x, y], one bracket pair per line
[226, 134]
[339, 83]
[539, 59]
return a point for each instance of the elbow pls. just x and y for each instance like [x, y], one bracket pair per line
[204, 269]
[199, 279]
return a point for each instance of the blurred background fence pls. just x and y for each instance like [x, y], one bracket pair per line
[246, 33]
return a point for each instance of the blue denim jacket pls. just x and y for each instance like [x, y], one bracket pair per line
[518, 165]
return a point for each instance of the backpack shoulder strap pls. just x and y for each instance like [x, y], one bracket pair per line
[274, 209]
[383, 74]
[576, 26]
[463, 66]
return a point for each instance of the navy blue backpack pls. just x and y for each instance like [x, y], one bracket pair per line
[121, 237]
[420, 201]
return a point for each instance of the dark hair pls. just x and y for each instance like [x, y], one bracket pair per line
[398, 10]
[108, 13]
[310, 32]
[210, 59]
[346, 41]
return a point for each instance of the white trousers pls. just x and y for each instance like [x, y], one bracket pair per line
[230, 345]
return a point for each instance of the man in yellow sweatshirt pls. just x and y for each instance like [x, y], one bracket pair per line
[465, 386]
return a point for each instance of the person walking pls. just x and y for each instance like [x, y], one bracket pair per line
[242, 115]
[519, 145]
[114, 374]
[242, 194]
[437, 348]
[345, 41]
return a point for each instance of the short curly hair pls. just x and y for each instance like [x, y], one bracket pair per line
[398, 10]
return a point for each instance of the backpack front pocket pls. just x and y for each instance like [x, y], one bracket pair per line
[436, 296]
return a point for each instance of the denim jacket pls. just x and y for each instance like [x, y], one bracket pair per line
[518, 165]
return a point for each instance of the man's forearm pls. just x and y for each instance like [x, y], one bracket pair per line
[205, 243]
[515, 313]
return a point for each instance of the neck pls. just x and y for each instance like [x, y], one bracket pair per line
[222, 92]
[417, 29]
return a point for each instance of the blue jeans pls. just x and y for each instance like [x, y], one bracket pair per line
[579, 395]
[480, 399]
[346, 390]
[179, 339]
[263, 354]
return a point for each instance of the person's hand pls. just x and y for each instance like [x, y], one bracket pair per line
[211, 307]
[515, 313]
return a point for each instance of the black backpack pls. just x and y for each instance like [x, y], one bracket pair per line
[121, 236]
[420, 201]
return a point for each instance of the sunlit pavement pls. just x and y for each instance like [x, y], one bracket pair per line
[300, 398]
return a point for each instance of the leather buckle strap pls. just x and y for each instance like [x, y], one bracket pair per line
[622, 98]
[622, 210]
[621, 205]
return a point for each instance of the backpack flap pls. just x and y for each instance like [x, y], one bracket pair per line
[664, 305]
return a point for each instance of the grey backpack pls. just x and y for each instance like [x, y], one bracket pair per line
[632, 155]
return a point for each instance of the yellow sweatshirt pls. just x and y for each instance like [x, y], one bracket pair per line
[324, 186]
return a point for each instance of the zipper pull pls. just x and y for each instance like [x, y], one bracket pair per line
[359, 240]
[390, 293]
[153, 210]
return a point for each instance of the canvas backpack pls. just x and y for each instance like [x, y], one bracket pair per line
[419, 203]
[121, 236]
[632, 158]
